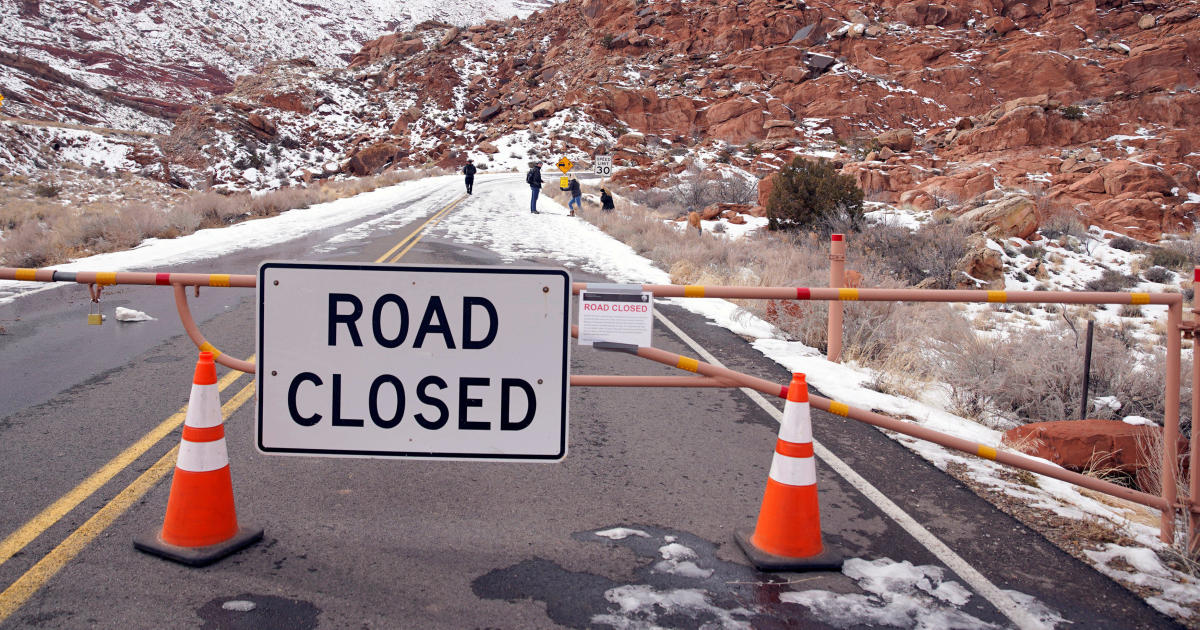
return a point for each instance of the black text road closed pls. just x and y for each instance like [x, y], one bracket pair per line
[413, 361]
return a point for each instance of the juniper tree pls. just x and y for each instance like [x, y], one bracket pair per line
[810, 195]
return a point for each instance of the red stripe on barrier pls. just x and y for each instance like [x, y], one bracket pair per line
[791, 449]
[803, 293]
[208, 434]
[162, 278]
[1196, 277]
[836, 237]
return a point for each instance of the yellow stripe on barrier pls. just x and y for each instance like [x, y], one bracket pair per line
[26, 274]
[849, 295]
[693, 290]
[208, 347]
[106, 277]
[1139, 298]
[690, 365]
[218, 280]
[841, 409]
[986, 452]
[997, 296]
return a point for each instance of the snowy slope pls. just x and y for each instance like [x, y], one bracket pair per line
[128, 63]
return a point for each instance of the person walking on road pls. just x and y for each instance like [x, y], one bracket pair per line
[576, 202]
[606, 200]
[534, 179]
[469, 173]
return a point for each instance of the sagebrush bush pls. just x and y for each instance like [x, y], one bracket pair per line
[1124, 243]
[1111, 280]
[1063, 224]
[1158, 274]
[39, 233]
[813, 195]
[1171, 257]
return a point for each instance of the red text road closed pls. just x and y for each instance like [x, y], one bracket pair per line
[616, 316]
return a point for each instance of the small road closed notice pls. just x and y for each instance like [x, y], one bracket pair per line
[422, 362]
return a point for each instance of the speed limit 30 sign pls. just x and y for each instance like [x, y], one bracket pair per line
[602, 165]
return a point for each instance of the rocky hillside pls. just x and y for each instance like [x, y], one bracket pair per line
[1033, 107]
[137, 64]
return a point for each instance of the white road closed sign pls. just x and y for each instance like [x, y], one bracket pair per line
[413, 361]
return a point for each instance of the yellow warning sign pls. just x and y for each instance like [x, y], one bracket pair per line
[564, 164]
[1, 100]
[563, 183]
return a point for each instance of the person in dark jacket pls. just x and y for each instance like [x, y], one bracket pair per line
[576, 202]
[606, 200]
[534, 179]
[469, 173]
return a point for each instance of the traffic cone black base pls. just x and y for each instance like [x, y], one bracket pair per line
[827, 560]
[197, 556]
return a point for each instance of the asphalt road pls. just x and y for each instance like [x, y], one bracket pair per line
[433, 544]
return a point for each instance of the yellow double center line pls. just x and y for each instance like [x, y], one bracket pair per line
[20, 591]
[408, 241]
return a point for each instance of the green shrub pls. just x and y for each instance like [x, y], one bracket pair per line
[1072, 112]
[607, 40]
[1034, 251]
[813, 195]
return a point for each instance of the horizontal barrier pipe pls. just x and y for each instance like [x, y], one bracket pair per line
[902, 295]
[659, 290]
[107, 278]
[910, 429]
[596, 380]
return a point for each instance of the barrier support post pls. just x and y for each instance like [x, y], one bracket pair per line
[837, 280]
[1171, 422]
[1194, 481]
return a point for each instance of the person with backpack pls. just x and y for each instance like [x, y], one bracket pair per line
[606, 200]
[534, 179]
[576, 202]
[469, 173]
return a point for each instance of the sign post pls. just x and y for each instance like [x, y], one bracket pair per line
[400, 361]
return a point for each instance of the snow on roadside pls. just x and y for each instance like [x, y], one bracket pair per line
[211, 244]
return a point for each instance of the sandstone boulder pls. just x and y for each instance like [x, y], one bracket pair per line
[1011, 216]
[1081, 445]
[983, 266]
[371, 160]
[896, 139]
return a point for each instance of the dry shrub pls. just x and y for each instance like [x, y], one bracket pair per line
[1150, 480]
[39, 232]
[30, 245]
[211, 209]
[1039, 377]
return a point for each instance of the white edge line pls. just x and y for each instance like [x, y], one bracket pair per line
[998, 598]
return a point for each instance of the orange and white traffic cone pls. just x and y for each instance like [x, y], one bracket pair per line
[788, 534]
[201, 524]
